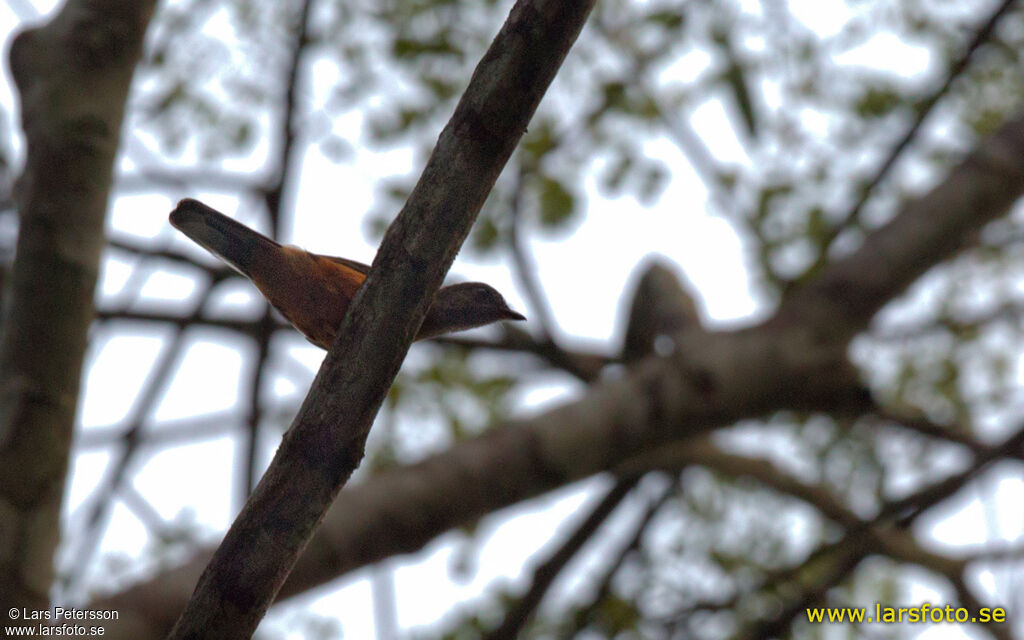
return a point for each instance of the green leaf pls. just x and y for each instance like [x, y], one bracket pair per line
[817, 227]
[618, 614]
[557, 204]
[485, 234]
[442, 89]
[668, 19]
[768, 194]
[615, 96]
[404, 47]
[876, 102]
[540, 140]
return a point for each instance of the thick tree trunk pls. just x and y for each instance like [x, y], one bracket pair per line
[73, 76]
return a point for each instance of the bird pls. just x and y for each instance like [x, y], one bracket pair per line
[313, 291]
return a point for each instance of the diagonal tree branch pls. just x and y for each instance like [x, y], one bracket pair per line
[864, 538]
[585, 614]
[921, 111]
[326, 441]
[544, 575]
[928, 230]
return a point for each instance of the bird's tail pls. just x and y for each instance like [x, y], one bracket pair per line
[231, 241]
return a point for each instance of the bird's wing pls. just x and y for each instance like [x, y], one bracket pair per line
[351, 264]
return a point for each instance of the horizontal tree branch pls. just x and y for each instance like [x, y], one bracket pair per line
[797, 359]
[722, 378]
[216, 272]
[585, 365]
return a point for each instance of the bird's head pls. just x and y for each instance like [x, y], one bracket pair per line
[465, 306]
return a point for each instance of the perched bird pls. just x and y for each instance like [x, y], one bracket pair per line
[312, 291]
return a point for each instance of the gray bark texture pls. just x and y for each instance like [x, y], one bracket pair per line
[72, 76]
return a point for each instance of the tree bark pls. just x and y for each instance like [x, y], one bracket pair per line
[326, 441]
[73, 76]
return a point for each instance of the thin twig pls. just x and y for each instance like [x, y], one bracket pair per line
[170, 433]
[604, 585]
[1000, 631]
[183, 431]
[920, 423]
[170, 255]
[585, 365]
[1012, 311]
[544, 576]
[922, 110]
[144, 511]
[103, 497]
[144, 179]
[838, 566]
[249, 328]
[525, 269]
[273, 197]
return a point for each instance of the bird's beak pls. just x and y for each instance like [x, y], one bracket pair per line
[512, 315]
